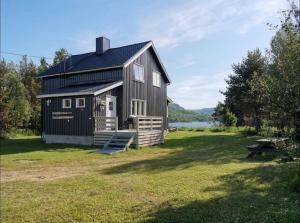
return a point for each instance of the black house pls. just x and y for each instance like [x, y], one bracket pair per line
[94, 98]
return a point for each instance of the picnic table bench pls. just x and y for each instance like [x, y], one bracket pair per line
[269, 145]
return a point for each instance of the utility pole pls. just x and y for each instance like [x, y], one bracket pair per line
[25, 59]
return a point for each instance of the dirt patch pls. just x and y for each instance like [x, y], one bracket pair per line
[44, 174]
[26, 160]
[73, 169]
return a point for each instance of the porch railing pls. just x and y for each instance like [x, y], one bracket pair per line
[103, 123]
[148, 123]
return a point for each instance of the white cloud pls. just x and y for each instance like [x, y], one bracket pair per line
[187, 60]
[196, 20]
[199, 91]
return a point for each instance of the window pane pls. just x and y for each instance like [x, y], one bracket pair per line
[135, 108]
[158, 80]
[138, 72]
[111, 106]
[132, 108]
[81, 102]
[142, 74]
[142, 108]
[138, 108]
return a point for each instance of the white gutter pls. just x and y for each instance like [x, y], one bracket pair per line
[81, 93]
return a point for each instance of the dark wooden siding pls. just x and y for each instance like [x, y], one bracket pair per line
[102, 112]
[81, 124]
[55, 82]
[156, 97]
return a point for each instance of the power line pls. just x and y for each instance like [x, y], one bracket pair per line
[18, 54]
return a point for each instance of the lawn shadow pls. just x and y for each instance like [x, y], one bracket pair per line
[14, 146]
[185, 152]
[253, 195]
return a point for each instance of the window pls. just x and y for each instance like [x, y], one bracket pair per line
[66, 103]
[111, 106]
[156, 79]
[138, 72]
[80, 102]
[138, 107]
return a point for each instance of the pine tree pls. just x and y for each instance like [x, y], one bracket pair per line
[60, 55]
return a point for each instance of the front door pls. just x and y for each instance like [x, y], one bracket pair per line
[111, 110]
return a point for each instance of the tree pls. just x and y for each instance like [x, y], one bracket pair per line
[29, 74]
[223, 115]
[259, 97]
[14, 106]
[285, 69]
[60, 56]
[237, 97]
[43, 65]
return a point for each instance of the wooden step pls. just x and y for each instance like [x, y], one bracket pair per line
[110, 150]
[116, 144]
[120, 140]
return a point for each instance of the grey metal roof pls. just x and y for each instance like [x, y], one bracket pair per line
[90, 61]
[81, 89]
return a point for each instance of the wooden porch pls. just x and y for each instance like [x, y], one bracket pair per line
[143, 131]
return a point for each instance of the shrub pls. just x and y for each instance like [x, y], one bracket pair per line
[185, 129]
[294, 182]
[22, 132]
[218, 129]
[200, 129]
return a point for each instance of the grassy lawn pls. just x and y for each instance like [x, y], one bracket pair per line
[193, 177]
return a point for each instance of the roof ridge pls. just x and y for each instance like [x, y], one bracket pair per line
[92, 53]
[130, 44]
[112, 48]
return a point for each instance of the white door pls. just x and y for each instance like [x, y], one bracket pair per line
[111, 110]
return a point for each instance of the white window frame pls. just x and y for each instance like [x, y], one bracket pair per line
[63, 102]
[156, 78]
[77, 103]
[140, 107]
[138, 76]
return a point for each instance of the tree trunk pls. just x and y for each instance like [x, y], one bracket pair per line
[257, 123]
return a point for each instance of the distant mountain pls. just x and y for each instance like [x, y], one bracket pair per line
[178, 114]
[176, 106]
[205, 111]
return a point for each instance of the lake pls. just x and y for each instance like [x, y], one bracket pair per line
[196, 124]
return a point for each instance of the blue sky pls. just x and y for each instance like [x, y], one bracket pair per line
[197, 40]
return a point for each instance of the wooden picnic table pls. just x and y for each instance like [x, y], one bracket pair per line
[272, 142]
[268, 145]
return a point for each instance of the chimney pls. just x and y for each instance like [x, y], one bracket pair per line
[102, 44]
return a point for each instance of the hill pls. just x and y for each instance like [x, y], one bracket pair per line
[178, 114]
[176, 106]
[205, 111]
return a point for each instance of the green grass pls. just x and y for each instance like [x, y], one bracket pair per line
[196, 176]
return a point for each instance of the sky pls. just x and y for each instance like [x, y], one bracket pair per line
[197, 40]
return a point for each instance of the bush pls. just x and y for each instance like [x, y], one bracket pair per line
[200, 129]
[294, 182]
[218, 129]
[185, 129]
[22, 132]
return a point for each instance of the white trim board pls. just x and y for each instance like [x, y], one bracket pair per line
[81, 93]
[141, 51]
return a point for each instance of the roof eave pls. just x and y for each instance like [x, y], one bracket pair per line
[83, 71]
